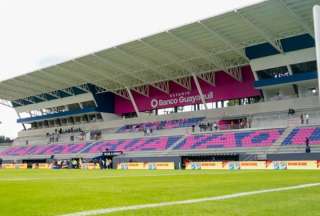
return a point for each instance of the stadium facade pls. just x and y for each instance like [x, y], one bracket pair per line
[218, 88]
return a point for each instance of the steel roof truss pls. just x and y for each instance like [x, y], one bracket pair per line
[42, 82]
[162, 86]
[83, 78]
[235, 73]
[226, 41]
[143, 90]
[169, 56]
[62, 80]
[100, 90]
[123, 93]
[140, 61]
[84, 87]
[297, 18]
[185, 82]
[119, 67]
[97, 71]
[209, 78]
[266, 35]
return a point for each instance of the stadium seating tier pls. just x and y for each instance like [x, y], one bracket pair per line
[44, 149]
[298, 136]
[259, 138]
[231, 139]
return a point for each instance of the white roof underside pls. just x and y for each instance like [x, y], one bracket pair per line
[213, 44]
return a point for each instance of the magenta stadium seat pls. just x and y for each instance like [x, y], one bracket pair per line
[259, 138]
[298, 136]
[44, 149]
[139, 144]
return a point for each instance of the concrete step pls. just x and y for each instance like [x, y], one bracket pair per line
[177, 143]
[277, 145]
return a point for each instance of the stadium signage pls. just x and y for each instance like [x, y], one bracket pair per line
[205, 165]
[253, 165]
[302, 164]
[8, 166]
[226, 88]
[179, 99]
[22, 166]
[146, 166]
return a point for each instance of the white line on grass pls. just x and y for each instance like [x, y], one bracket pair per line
[191, 201]
[118, 176]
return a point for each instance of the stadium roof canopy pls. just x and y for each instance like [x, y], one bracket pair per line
[213, 44]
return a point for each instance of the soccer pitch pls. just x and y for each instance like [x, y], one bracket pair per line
[60, 192]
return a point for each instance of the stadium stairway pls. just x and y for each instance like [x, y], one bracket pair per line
[89, 146]
[288, 146]
[278, 144]
[179, 141]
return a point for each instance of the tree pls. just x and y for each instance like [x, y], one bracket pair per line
[4, 139]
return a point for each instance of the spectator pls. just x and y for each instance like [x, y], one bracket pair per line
[307, 118]
[301, 118]
[209, 126]
[215, 126]
[74, 164]
[241, 124]
[308, 150]
[250, 122]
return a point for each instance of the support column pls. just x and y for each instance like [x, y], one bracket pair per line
[133, 102]
[24, 127]
[289, 70]
[255, 75]
[81, 106]
[196, 81]
[316, 21]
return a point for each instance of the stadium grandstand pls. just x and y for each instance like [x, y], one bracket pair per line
[242, 85]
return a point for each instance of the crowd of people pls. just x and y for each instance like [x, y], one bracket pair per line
[95, 134]
[105, 164]
[66, 164]
[77, 163]
[214, 126]
[206, 127]
[148, 131]
[55, 137]
[67, 131]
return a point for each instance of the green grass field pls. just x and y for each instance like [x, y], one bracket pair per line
[56, 192]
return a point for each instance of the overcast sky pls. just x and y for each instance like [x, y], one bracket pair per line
[39, 33]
